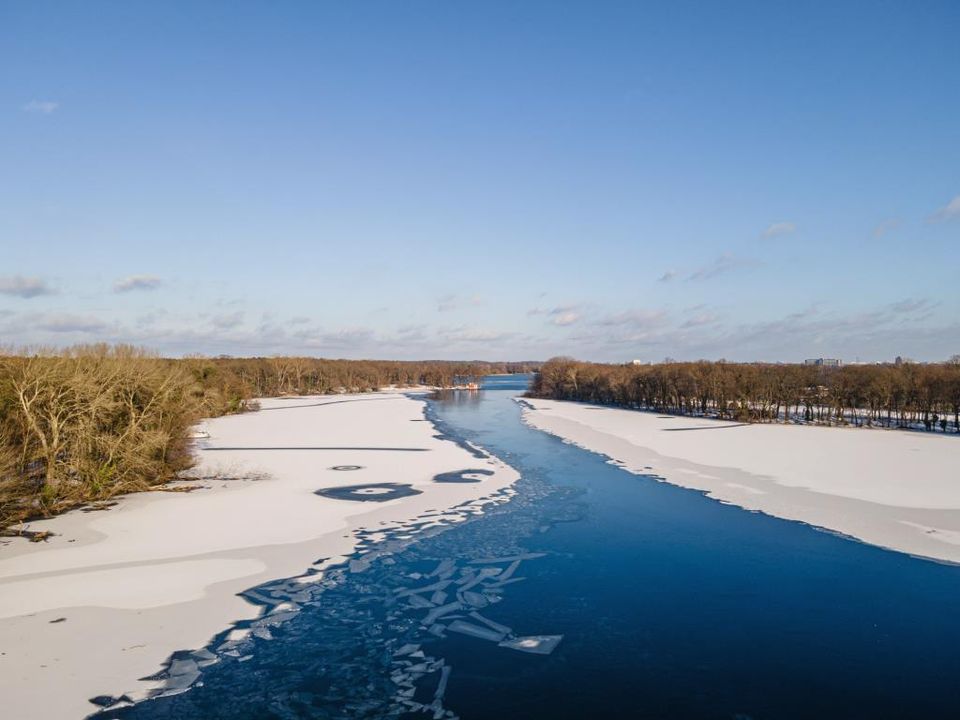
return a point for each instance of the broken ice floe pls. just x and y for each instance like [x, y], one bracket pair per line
[450, 592]
[444, 569]
[109, 701]
[439, 612]
[476, 588]
[509, 558]
[537, 644]
[180, 672]
[460, 626]
[477, 584]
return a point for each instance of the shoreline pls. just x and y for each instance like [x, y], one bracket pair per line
[162, 572]
[892, 490]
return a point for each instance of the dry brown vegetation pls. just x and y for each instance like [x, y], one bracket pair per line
[85, 424]
[907, 395]
[89, 423]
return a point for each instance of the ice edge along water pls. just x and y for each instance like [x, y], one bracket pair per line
[893, 489]
[108, 574]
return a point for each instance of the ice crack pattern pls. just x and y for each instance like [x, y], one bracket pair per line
[359, 639]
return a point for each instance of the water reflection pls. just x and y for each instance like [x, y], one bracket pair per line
[462, 398]
[516, 383]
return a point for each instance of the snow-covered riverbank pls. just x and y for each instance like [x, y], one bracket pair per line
[899, 490]
[107, 599]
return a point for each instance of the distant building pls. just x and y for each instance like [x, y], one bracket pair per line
[637, 362]
[824, 362]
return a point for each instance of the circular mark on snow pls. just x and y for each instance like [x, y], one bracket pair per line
[374, 492]
[347, 467]
[462, 476]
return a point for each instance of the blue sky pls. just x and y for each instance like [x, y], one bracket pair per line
[763, 180]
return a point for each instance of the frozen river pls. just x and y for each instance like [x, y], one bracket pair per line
[592, 593]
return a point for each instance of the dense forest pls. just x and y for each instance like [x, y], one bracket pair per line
[906, 395]
[85, 424]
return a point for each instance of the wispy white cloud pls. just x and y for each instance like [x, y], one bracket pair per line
[700, 320]
[564, 319]
[561, 316]
[228, 320]
[412, 333]
[919, 326]
[24, 287]
[950, 211]
[472, 335]
[346, 338]
[910, 305]
[887, 226]
[637, 318]
[69, 323]
[907, 325]
[720, 266]
[667, 276]
[778, 229]
[637, 327]
[151, 318]
[41, 107]
[137, 282]
[911, 310]
[447, 303]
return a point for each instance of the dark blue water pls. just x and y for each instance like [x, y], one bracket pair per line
[670, 605]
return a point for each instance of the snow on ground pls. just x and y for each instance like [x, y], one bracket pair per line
[114, 593]
[896, 489]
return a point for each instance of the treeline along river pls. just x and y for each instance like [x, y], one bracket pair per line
[90, 422]
[905, 395]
